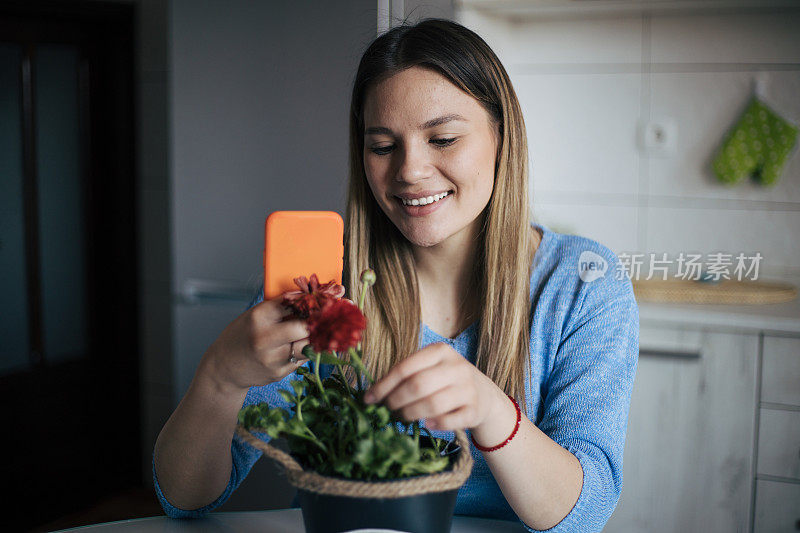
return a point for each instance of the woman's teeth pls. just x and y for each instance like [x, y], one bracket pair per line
[425, 201]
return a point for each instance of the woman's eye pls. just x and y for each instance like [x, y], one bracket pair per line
[443, 142]
[381, 150]
[440, 143]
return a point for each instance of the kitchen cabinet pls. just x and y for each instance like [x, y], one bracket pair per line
[777, 507]
[713, 441]
[781, 370]
[688, 461]
[779, 444]
[778, 468]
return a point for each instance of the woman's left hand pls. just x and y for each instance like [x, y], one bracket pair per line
[438, 384]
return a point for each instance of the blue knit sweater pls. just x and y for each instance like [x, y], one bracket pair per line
[584, 353]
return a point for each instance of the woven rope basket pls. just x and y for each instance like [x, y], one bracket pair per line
[312, 482]
[724, 292]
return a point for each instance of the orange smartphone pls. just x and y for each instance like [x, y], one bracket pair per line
[301, 243]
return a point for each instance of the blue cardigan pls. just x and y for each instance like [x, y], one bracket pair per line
[584, 352]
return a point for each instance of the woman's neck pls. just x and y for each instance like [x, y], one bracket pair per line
[449, 297]
[445, 274]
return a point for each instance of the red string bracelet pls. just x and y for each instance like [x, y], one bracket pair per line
[516, 427]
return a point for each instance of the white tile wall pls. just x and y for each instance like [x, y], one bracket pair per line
[585, 84]
[569, 152]
[605, 40]
[726, 38]
[773, 233]
[612, 226]
[495, 32]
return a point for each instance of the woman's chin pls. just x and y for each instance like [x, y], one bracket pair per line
[424, 237]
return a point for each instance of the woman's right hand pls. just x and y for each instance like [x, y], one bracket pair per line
[254, 349]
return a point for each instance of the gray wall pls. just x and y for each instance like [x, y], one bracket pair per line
[259, 99]
[259, 96]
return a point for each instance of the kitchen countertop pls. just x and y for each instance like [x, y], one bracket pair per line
[774, 318]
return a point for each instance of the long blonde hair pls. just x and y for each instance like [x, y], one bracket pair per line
[505, 249]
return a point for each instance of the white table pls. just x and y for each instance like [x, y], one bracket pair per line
[280, 521]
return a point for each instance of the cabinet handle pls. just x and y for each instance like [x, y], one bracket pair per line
[210, 292]
[671, 354]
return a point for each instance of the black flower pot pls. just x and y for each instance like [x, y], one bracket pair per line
[419, 504]
[424, 513]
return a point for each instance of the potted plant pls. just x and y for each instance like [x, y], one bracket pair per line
[354, 465]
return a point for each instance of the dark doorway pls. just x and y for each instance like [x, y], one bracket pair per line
[69, 377]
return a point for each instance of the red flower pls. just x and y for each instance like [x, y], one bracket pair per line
[337, 328]
[312, 297]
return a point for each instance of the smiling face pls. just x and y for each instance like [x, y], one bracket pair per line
[408, 152]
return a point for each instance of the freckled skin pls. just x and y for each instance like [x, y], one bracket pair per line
[403, 102]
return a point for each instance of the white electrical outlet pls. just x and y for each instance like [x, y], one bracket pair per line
[658, 137]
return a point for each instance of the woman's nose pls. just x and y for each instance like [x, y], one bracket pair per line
[413, 163]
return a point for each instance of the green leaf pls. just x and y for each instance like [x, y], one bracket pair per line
[355, 361]
[287, 396]
[298, 387]
[340, 379]
[334, 397]
[362, 423]
[334, 384]
[382, 415]
[385, 436]
[247, 414]
[309, 352]
[328, 358]
[272, 423]
[312, 402]
[343, 467]
[403, 449]
[381, 469]
[423, 467]
[365, 451]
[295, 427]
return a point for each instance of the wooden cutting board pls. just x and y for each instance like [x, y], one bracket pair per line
[722, 292]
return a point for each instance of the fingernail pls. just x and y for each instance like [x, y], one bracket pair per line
[369, 397]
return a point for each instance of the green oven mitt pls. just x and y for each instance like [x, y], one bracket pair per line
[759, 145]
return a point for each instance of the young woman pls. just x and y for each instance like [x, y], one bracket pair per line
[475, 309]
